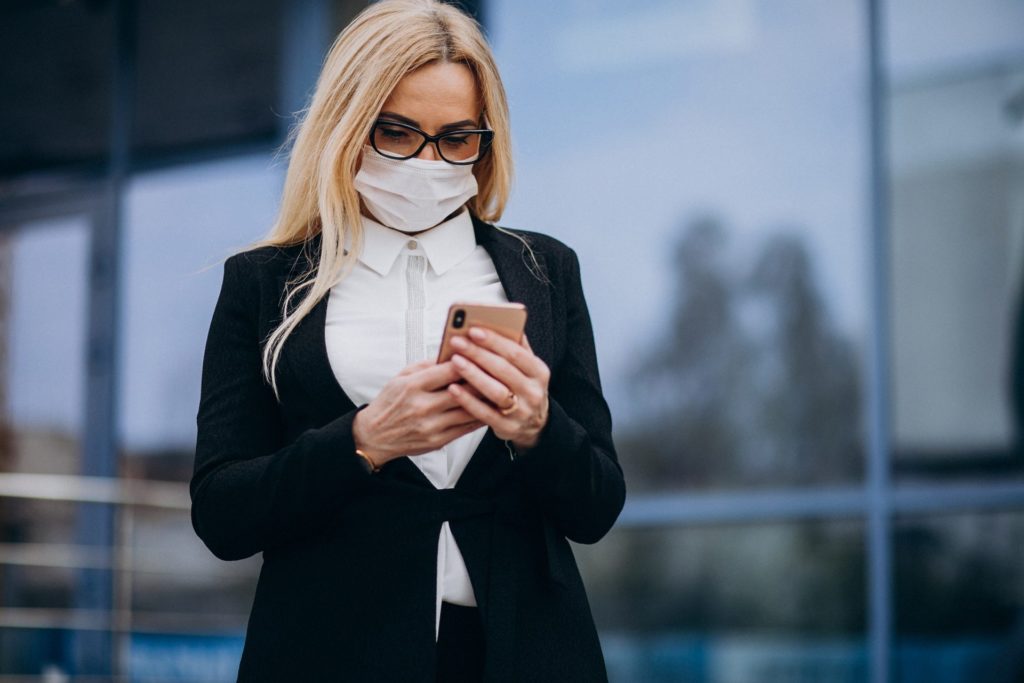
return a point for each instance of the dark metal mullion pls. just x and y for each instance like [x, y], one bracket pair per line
[305, 39]
[879, 483]
[956, 498]
[695, 508]
[48, 196]
[94, 652]
[680, 508]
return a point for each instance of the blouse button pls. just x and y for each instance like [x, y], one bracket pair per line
[412, 245]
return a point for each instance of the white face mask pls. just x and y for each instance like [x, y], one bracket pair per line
[412, 194]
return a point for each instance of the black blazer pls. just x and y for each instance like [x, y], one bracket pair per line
[347, 588]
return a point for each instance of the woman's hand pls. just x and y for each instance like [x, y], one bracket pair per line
[510, 383]
[412, 414]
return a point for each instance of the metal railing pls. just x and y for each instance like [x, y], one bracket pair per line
[128, 496]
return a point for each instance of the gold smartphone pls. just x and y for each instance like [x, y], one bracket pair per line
[508, 320]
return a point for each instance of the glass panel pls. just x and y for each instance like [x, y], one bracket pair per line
[41, 654]
[956, 107]
[188, 609]
[178, 584]
[958, 600]
[38, 555]
[43, 302]
[780, 602]
[707, 161]
[172, 658]
[28, 586]
[43, 360]
[181, 223]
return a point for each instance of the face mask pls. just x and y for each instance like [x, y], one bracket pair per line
[412, 194]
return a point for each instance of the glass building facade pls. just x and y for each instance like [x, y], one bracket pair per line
[801, 230]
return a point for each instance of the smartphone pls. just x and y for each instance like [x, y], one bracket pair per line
[508, 320]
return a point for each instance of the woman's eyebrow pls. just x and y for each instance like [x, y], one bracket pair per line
[464, 123]
[448, 126]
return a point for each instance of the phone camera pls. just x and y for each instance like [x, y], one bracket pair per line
[459, 319]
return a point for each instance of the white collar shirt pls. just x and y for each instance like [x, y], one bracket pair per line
[389, 312]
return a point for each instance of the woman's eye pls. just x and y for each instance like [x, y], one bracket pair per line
[392, 133]
[457, 140]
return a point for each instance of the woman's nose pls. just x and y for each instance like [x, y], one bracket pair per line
[429, 152]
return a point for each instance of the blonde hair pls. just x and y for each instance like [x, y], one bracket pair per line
[386, 41]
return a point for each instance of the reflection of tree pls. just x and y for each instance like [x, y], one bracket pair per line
[694, 372]
[807, 423]
[752, 381]
[804, 578]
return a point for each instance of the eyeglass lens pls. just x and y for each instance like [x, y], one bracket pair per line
[401, 142]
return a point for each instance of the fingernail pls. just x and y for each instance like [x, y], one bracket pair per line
[477, 333]
[459, 360]
[454, 388]
[458, 342]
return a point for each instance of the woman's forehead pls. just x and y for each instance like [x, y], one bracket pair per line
[436, 94]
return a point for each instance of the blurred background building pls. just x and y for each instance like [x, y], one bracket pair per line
[801, 228]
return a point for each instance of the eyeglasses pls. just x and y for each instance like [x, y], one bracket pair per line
[401, 141]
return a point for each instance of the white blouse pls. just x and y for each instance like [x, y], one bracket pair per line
[390, 311]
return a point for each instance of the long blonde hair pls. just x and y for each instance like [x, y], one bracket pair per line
[381, 45]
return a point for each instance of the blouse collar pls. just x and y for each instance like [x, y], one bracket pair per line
[445, 244]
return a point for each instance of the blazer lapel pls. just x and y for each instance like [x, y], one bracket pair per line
[522, 283]
[305, 355]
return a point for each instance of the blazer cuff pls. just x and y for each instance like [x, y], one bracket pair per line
[559, 445]
[339, 441]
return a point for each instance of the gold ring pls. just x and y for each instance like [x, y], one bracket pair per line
[511, 406]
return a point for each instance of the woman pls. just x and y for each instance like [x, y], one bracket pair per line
[412, 515]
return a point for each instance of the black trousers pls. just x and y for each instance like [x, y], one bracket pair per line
[460, 645]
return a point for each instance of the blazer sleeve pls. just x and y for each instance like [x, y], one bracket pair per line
[573, 470]
[251, 491]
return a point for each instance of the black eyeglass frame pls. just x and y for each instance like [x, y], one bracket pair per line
[486, 138]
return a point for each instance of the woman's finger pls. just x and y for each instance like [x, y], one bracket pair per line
[452, 418]
[482, 411]
[493, 364]
[434, 376]
[448, 435]
[441, 400]
[488, 387]
[519, 355]
[415, 367]
[444, 437]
